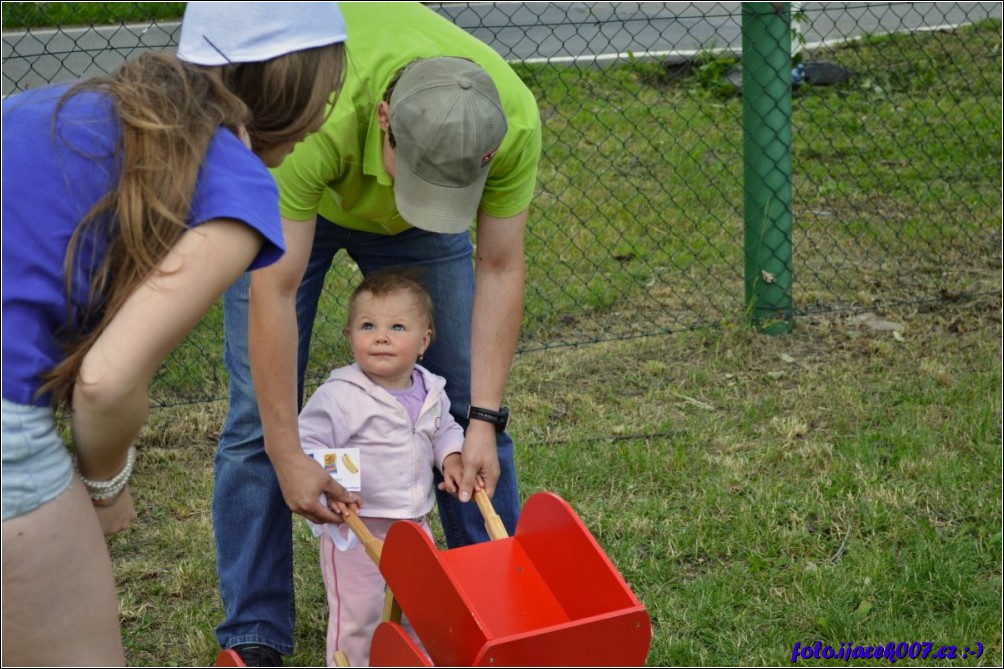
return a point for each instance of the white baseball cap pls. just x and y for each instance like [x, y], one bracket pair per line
[217, 33]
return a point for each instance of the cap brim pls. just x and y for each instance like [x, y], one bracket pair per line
[436, 208]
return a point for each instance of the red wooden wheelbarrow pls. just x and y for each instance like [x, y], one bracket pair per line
[547, 596]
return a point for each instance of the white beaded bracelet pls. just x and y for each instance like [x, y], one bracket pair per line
[102, 490]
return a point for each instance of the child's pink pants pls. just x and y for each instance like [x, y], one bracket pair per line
[355, 591]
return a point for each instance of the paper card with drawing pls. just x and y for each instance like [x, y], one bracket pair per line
[343, 465]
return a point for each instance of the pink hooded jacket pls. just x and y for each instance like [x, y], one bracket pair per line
[349, 410]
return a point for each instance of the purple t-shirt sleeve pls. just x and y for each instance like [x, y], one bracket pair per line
[53, 176]
[234, 183]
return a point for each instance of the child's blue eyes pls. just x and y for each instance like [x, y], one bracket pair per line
[397, 327]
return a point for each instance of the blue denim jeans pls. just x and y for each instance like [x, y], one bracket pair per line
[252, 525]
[37, 467]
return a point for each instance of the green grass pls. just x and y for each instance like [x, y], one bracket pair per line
[838, 484]
[64, 14]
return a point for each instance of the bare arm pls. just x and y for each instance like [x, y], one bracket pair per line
[110, 400]
[499, 281]
[272, 348]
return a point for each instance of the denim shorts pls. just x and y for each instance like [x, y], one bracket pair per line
[36, 464]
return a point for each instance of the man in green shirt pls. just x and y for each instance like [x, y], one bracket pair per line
[432, 132]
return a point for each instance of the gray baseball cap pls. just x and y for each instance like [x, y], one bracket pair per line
[448, 122]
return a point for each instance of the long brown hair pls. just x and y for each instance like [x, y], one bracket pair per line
[169, 112]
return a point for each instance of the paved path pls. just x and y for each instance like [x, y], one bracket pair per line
[566, 32]
[607, 31]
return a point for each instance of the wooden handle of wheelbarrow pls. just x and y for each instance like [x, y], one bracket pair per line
[493, 524]
[372, 545]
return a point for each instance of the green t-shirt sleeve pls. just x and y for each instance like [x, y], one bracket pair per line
[513, 178]
[304, 176]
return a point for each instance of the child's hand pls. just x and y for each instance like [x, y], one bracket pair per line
[341, 501]
[341, 510]
[453, 473]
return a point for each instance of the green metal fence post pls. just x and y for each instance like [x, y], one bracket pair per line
[766, 66]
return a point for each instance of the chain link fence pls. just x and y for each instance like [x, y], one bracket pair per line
[637, 228]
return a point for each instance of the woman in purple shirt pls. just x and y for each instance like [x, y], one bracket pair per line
[130, 203]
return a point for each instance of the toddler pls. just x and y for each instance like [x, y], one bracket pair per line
[396, 413]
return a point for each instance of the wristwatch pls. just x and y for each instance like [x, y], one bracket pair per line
[498, 418]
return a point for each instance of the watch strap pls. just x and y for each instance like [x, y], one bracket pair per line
[498, 418]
